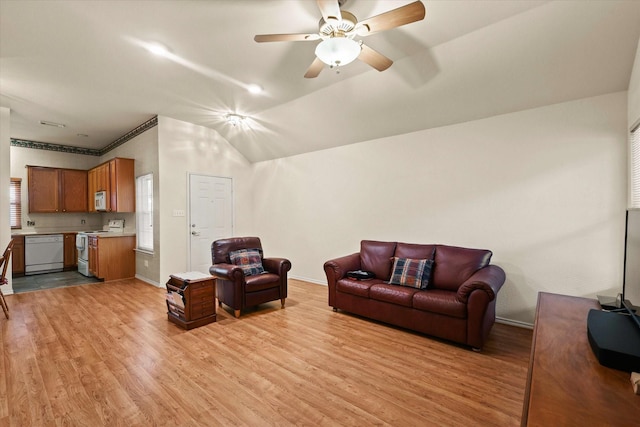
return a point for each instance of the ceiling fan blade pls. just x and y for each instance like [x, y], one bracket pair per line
[329, 9]
[261, 38]
[394, 18]
[314, 69]
[374, 58]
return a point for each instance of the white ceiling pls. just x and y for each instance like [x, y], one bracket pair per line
[81, 63]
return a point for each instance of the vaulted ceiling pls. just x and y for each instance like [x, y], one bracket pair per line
[82, 64]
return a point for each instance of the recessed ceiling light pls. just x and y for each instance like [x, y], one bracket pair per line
[58, 125]
[255, 89]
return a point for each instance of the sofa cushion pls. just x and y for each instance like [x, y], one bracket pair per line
[441, 302]
[392, 294]
[356, 287]
[414, 273]
[249, 260]
[376, 257]
[415, 251]
[454, 265]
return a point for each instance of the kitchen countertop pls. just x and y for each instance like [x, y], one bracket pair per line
[90, 233]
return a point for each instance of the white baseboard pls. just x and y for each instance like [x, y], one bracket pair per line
[149, 281]
[306, 279]
[514, 323]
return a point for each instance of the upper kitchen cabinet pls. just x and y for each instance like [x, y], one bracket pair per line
[117, 178]
[52, 190]
[73, 190]
[44, 189]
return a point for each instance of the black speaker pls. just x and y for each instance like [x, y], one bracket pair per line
[614, 339]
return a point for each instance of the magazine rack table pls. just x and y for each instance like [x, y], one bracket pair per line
[191, 299]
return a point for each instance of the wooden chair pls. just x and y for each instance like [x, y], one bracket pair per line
[4, 263]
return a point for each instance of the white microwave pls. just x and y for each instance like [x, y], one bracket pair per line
[100, 201]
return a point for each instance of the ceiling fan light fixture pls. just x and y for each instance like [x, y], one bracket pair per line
[338, 51]
[235, 119]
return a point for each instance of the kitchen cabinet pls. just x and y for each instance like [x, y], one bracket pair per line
[92, 186]
[43, 189]
[54, 190]
[102, 177]
[73, 194]
[70, 251]
[117, 178]
[17, 256]
[112, 258]
[123, 185]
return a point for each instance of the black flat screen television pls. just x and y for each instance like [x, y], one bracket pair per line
[615, 336]
[631, 278]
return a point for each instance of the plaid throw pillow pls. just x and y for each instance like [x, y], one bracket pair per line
[249, 260]
[414, 273]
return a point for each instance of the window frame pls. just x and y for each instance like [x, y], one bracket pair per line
[144, 213]
[15, 203]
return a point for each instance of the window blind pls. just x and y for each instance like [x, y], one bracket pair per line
[635, 167]
[15, 203]
[144, 211]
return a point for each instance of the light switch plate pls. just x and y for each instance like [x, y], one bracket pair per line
[178, 212]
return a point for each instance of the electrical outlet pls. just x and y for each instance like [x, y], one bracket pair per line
[31, 223]
[82, 221]
[146, 263]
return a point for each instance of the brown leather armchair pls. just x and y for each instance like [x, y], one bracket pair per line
[239, 291]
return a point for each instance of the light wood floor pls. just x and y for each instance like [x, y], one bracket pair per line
[105, 354]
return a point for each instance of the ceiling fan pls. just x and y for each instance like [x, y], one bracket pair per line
[338, 29]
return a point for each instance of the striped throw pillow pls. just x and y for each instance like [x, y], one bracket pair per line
[414, 273]
[249, 260]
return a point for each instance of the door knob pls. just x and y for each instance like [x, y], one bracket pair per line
[195, 233]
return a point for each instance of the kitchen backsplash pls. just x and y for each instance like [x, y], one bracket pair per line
[45, 223]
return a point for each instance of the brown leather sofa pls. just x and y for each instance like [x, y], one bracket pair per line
[238, 291]
[457, 305]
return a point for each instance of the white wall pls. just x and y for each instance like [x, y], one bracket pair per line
[544, 189]
[185, 148]
[633, 109]
[144, 150]
[5, 175]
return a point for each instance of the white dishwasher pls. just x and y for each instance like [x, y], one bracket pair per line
[43, 254]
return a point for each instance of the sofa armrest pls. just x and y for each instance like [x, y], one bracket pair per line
[338, 267]
[479, 294]
[226, 272]
[488, 279]
[278, 266]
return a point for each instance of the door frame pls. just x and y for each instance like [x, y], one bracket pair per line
[188, 217]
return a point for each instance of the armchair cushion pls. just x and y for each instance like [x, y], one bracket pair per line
[414, 273]
[249, 260]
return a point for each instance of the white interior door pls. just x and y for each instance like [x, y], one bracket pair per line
[210, 217]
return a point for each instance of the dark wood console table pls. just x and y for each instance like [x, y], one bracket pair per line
[566, 385]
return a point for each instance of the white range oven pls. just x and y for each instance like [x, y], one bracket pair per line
[82, 244]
